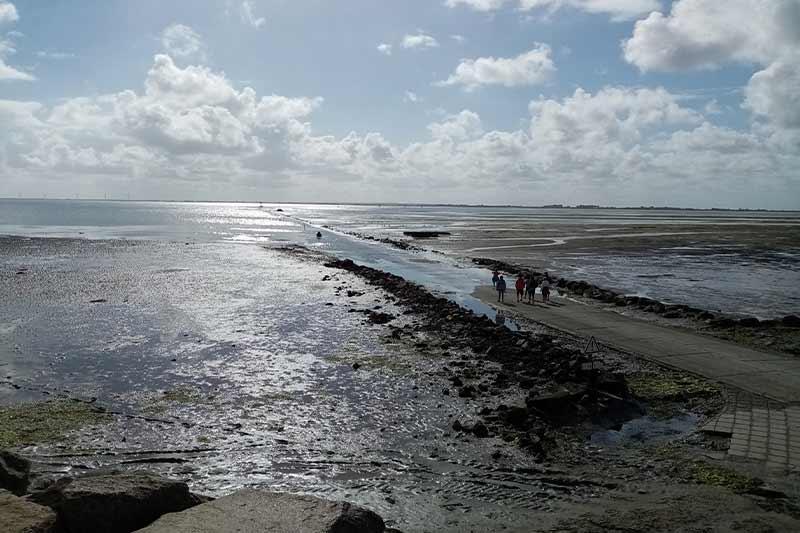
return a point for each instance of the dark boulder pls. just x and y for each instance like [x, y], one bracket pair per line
[467, 391]
[515, 416]
[749, 322]
[253, 510]
[114, 502]
[14, 472]
[480, 430]
[792, 321]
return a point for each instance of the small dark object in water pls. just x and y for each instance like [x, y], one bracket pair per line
[98, 301]
[279, 210]
[319, 235]
[425, 234]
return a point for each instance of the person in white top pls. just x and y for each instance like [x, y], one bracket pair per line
[545, 286]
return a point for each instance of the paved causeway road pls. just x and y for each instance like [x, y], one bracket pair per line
[767, 374]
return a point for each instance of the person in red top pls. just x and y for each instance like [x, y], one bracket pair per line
[520, 285]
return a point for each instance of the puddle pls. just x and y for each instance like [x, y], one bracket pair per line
[647, 428]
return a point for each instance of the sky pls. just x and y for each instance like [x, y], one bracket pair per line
[691, 103]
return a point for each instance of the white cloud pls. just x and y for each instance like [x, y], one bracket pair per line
[530, 68]
[774, 93]
[385, 49]
[7, 72]
[420, 40]
[618, 10]
[712, 107]
[460, 39]
[706, 34]
[8, 13]
[463, 126]
[192, 129]
[411, 97]
[478, 5]
[43, 54]
[248, 16]
[181, 41]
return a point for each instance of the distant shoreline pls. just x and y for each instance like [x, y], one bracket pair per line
[584, 207]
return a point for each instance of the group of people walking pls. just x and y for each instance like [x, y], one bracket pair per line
[525, 285]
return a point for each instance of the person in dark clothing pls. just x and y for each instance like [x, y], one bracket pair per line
[495, 278]
[530, 288]
[501, 289]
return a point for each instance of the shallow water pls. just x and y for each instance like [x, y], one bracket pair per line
[226, 367]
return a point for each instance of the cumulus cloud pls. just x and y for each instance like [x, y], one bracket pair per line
[248, 16]
[774, 93]
[420, 41]
[705, 34]
[385, 49]
[618, 10]
[530, 68]
[460, 127]
[181, 41]
[8, 13]
[192, 125]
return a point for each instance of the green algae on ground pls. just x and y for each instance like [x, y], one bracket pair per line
[181, 396]
[42, 422]
[670, 386]
[719, 476]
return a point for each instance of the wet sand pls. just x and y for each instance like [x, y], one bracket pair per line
[745, 263]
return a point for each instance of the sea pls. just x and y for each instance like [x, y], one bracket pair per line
[745, 263]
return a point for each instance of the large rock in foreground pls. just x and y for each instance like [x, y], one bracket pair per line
[253, 511]
[14, 472]
[114, 503]
[21, 516]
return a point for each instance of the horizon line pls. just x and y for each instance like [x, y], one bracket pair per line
[415, 204]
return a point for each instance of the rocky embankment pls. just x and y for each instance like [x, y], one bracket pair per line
[768, 333]
[488, 360]
[114, 502]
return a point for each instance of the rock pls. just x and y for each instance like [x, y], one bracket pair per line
[14, 472]
[21, 516]
[673, 314]
[467, 391]
[792, 321]
[480, 430]
[515, 416]
[115, 502]
[251, 511]
[723, 323]
[749, 322]
[356, 366]
[380, 318]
